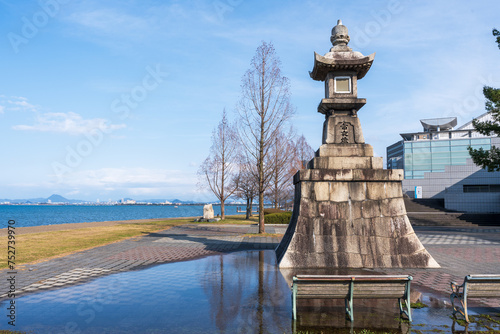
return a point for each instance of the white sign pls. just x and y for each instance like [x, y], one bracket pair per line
[418, 192]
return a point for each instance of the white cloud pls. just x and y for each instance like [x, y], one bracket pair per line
[22, 103]
[2, 109]
[108, 21]
[16, 103]
[130, 181]
[70, 123]
[129, 22]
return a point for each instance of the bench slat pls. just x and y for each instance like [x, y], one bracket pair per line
[345, 295]
[485, 293]
[482, 288]
[358, 284]
[357, 278]
[486, 288]
[481, 277]
[399, 287]
[485, 284]
[315, 296]
[363, 284]
[304, 290]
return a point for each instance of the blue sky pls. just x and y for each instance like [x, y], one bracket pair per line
[110, 99]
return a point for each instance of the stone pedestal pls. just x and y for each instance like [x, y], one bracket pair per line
[349, 213]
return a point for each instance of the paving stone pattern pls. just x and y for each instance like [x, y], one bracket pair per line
[433, 239]
[459, 251]
[111, 289]
[179, 243]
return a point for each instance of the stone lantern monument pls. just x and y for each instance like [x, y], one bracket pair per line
[348, 212]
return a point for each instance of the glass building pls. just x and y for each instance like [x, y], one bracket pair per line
[422, 157]
[437, 160]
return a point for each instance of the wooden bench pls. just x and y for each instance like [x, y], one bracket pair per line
[353, 286]
[474, 286]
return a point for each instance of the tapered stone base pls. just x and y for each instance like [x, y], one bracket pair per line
[350, 217]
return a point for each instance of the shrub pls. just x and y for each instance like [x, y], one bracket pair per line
[278, 218]
[271, 211]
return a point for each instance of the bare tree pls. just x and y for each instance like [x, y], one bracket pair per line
[282, 160]
[247, 185]
[303, 153]
[288, 155]
[264, 108]
[219, 167]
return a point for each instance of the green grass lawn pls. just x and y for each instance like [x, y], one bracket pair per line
[36, 247]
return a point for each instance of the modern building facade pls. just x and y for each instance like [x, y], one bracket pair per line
[437, 161]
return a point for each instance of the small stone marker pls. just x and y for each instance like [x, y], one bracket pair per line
[208, 211]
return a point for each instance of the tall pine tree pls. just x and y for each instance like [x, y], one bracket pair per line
[489, 159]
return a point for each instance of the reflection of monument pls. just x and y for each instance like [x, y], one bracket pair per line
[348, 211]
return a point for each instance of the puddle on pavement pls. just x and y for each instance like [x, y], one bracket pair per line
[241, 292]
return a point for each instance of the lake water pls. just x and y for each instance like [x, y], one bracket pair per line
[242, 292]
[35, 215]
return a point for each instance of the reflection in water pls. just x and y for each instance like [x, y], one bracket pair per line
[223, 296]
[251, 295]
[241, 292]
[247, 293]
[233, 293]
[328, 315]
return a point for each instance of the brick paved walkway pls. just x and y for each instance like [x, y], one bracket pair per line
[179, 243]
[459, 251]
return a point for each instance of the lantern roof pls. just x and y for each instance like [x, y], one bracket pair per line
[341, 57]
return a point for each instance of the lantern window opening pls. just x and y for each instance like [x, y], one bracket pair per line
[342, 84]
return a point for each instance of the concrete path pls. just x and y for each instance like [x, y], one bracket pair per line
[459, 251]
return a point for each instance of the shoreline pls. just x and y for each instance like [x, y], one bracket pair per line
[74, 226]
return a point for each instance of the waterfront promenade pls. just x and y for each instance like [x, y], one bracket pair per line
[459, 251]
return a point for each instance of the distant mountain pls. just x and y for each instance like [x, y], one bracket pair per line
[34, 200]
[154, 200]
[60, 199]
[24, 200]
[57, 199]
[181, 202]
[53, 199]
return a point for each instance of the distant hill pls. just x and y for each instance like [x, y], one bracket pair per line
[53, 199]
[155, 200]
[57, 199]
[60, 199]
[24, 200]
[162, 200]
[181, 202]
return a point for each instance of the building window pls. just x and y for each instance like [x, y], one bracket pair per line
[481, 188]
[434, 155]
[342, 84]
